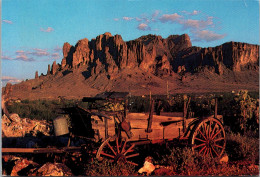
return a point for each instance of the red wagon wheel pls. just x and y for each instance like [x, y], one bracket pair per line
[117, 150]
[208, 138]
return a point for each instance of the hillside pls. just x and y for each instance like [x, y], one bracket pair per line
[107, 63]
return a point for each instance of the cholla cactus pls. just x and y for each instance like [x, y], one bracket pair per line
[248, 109]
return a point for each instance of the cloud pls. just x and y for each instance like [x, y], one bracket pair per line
[10, 79]
[155, 14]
[23, 58]
[194, 12]
[143, 27]
[170, 17]
[55, 55]
[197, 24]
[128, 18]
[20, 52]
[39, 52]
[6, 58]
[7, 21]
[138, 19]
[20, 56]
[48, 30]
[206, 35]
[57, 49]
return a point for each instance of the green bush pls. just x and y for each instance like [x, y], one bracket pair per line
[242, 113]
[38, 109]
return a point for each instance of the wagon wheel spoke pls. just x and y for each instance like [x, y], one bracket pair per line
[216, 134]
[111, 148]
[132, 155]
[108, 155]
[117, 146]
[210, 152]
[135, 164]
[203, 144]
[121, 143]
[210, 121]
[202, 149]
[214, 151]
[213, 130]
[202, 134]
[219, 139]
[218, 146]
[212, 133]
[205, 152]
[133, 145]
[123, 148]
[205, 128]
[200, 140]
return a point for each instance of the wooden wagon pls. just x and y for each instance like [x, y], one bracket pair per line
[120, 131]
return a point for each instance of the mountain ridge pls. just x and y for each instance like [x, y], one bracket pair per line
[107, 63]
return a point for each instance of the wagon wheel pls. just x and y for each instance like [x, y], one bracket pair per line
[117, 150]
[208, 138]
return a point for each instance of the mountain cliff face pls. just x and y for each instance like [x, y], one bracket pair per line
[156, 55]
[103, 63]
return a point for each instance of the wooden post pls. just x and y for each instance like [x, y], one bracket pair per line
[150, 97]
[216, 108]
[125, 109]
[167, 90]
[185, 112]
[150, 119]
[184, 115]
[106, 128]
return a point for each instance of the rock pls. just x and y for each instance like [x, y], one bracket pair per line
[49, 70]
[148, 167]
[36, 75]
[53, 169]
[224, 159]
[19, 127]
[68, 51]
[21, 164]
[54, 68]
[157, 55]
[232, 55]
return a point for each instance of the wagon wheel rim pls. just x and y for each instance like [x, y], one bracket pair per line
[117, 150]
[208, 138]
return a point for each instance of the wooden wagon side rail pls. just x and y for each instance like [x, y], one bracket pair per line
[40, 150]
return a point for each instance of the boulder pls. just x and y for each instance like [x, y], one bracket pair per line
[19, 127]
[52, 169]
[20, 165]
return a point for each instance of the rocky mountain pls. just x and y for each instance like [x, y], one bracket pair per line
[108, 63]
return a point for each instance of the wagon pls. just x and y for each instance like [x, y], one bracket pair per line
[119, 131]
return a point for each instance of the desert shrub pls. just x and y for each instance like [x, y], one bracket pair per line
[38, 109]
[107, 168]
[242, 114]
[185, 162]
[240, 147]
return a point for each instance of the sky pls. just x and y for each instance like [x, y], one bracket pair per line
[33, 31]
